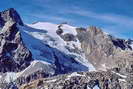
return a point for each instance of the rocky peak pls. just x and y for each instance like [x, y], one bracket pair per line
[94, 30]
[14, 56]
[102, 50]
[10, 14]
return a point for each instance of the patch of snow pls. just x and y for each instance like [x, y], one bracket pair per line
[123, 76]
[74, 74]
[37, 65]
[88, 87]
[69, 29]
[96, 87]
[122, 80]
[52, 80]
[10, 76]
[104, 68]
[131, 45]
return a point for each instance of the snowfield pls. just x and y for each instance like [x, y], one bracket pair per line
[46, 33]
[44, 43]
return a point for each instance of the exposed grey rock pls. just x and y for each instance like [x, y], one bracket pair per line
[80, 80]
[10, 14]
[59, 31]
[104, 51]
[14, 56]
[68, 37]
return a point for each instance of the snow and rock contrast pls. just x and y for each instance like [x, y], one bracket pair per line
[45, 34]
[10, 14]
[52, 55]
[14, 56]
[29, 53]
[103, 50]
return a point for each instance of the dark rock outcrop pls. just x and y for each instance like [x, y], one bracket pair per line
[10, 14]
[65, 36]
[14, 56]
[59, 31]
[68, 37]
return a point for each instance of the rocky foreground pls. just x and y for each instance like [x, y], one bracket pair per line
[83, 80]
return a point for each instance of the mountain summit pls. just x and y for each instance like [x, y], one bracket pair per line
[14, 56]
[10, 14]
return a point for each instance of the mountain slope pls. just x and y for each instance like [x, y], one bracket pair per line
[60, 53]
[52, 49]
[47, 33]
[14, 56]
[21, 44]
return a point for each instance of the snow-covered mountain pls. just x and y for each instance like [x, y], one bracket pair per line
[36, 55]
[37, 36]
[50, 52]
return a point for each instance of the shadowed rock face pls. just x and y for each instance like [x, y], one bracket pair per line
[104, 51]
[10, 14]
[14, 56]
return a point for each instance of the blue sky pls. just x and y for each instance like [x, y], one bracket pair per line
[113, 16]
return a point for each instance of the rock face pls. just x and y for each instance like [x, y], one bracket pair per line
[10, 14]
[104, 51]
[59, 31]
[68, 37]
[14, 56]
[65, 36]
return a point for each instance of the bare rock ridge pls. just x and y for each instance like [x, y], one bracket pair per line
[104, 51]
[14, 56]
[10, 14]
